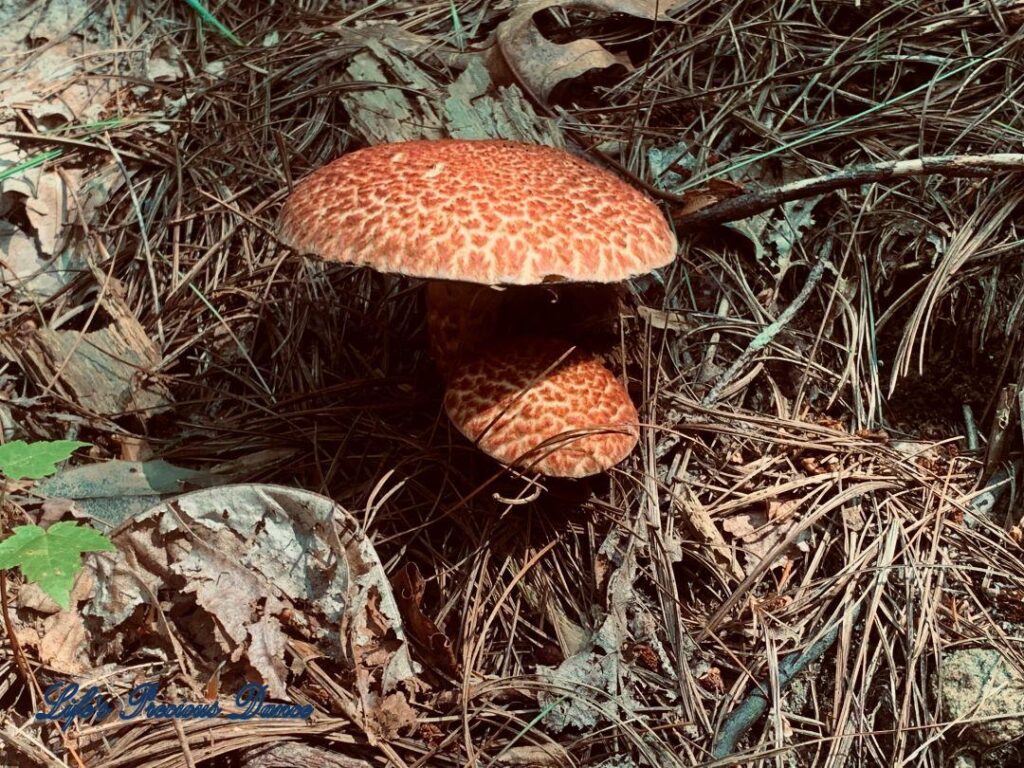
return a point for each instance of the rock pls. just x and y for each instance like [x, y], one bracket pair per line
[979, 683]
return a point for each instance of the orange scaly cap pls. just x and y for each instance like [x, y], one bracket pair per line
[533, 404]
[487, 211]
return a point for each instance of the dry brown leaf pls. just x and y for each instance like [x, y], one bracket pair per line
[409, 586]
[664, 320]
[53, 510]
[712, 681]
[540, 64]
[698, 518]
[61, 639]
[534, 755]
[21, 264]
[759, 531]
[695, 200]
[50, 210]
[63, 646]
[134, 448]
[247, 567]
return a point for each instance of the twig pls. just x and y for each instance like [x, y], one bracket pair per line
[998, 437]
[747, 713]
[758, 201]
[971, 428]
[764, 338]
[20, 662]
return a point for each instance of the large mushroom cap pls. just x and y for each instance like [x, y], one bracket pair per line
[494, 212]
[537, 405]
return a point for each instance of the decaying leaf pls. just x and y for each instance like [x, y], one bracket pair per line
[540, 64]
[597, 668]
[409, 586]
[237, 561]
[759, 531]
[104, 371]
[773, 237]
[784, 233]
[63, 37]
[116, 490]
[295, 754]
[599, 683]
[471, 110]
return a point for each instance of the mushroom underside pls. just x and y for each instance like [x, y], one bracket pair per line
[467, 319]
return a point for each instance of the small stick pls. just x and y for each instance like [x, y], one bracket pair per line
[758, 201]
[971, 428]
[998, 437]
[20, 659]
[747, 713]
[764, 338]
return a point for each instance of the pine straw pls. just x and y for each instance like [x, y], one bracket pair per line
[266, 351]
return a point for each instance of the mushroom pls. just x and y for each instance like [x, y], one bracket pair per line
[485, 212]
[541, 405]
[469, 215]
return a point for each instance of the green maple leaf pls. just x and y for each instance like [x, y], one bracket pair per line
[35, 460]
[51, 557]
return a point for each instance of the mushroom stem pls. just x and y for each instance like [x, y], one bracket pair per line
[461, 318]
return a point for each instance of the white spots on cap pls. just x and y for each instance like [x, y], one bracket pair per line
[434, 172]
[398, 157]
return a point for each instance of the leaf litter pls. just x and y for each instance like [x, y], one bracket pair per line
[313, 376]
[540, 65]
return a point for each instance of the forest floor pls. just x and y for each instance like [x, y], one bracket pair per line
[813, 558]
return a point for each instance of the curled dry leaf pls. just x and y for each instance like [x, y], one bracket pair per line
[409, 587]
[237, 561]
[540, 64]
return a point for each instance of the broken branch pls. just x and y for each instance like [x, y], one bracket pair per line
[758, 201]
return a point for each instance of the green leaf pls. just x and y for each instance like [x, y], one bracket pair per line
[51, 557]
[35, 460]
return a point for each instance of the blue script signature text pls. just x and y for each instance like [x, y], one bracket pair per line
[67, 702]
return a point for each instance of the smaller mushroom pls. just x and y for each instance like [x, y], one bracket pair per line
[541, 405]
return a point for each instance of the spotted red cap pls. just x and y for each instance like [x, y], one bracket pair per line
[536, 405]
[489, 211]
